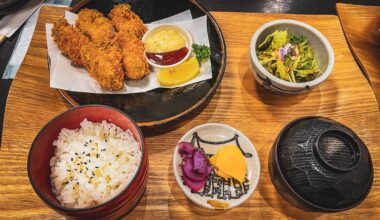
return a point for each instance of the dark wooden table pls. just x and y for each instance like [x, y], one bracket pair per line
[268, 6]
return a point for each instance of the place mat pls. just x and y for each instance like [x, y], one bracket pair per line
[239, 102]
[361, 25]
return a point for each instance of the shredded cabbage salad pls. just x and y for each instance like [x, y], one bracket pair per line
[288, 57]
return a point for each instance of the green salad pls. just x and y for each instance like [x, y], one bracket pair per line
[288, 57]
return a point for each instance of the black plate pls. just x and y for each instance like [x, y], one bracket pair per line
[160, 106]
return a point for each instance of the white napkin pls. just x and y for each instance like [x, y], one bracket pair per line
[65, 76]
[25, 38]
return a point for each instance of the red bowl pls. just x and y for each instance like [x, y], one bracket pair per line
[42, 150]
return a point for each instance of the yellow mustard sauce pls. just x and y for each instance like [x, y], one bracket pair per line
[165, 40]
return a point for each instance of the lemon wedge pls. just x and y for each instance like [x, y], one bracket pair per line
[179, 74]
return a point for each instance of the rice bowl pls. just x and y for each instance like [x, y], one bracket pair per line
[93, 164]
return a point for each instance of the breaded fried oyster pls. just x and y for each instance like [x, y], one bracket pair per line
[104, 65]
[69, 40]
[134, 62]
[94, 25]
[126, 21]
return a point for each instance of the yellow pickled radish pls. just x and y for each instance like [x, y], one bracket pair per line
[222, 174]
[229, 162]
[179, 74]
[213, 161]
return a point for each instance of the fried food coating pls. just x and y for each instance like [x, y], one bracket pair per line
[94, 25]
[109, 56]
[104, 65]
[134, 62]
[69, 40]
[126, 21]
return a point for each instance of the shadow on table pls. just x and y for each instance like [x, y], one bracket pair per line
[270, 98]
[139, 211]
[151, 132]
[281, 205]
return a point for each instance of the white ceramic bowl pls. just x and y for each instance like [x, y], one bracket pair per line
[210, 137]
[186, 35]
[318, 42]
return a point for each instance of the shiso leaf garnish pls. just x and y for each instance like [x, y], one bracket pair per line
[202, 52]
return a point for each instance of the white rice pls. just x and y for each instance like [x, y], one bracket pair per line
[93, 164]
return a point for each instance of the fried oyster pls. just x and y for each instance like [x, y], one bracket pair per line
[94, 25]
[126, 21]
[104, 65]
[69, 40]
[110, 49]
[134, 62]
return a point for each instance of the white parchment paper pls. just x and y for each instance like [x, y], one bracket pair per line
[67, 77]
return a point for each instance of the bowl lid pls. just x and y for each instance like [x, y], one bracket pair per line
[325, 163]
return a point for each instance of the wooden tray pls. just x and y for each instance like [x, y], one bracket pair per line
[361, 26]
[346, 97]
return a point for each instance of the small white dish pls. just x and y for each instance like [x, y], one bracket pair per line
[318, 42]
[211, 137]
[185, 34]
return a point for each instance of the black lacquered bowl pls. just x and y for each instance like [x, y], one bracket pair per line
[318, 164]
[160, 106]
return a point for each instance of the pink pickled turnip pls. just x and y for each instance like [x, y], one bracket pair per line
[287, 48]
[281, 54]
[193, 184]
[200, 162]
[186, 149]
[188, 170]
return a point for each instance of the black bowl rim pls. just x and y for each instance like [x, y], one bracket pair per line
[78, 210]
[294, 193]
[178, 117]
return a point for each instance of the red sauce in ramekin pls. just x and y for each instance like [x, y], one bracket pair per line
[168, 58]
